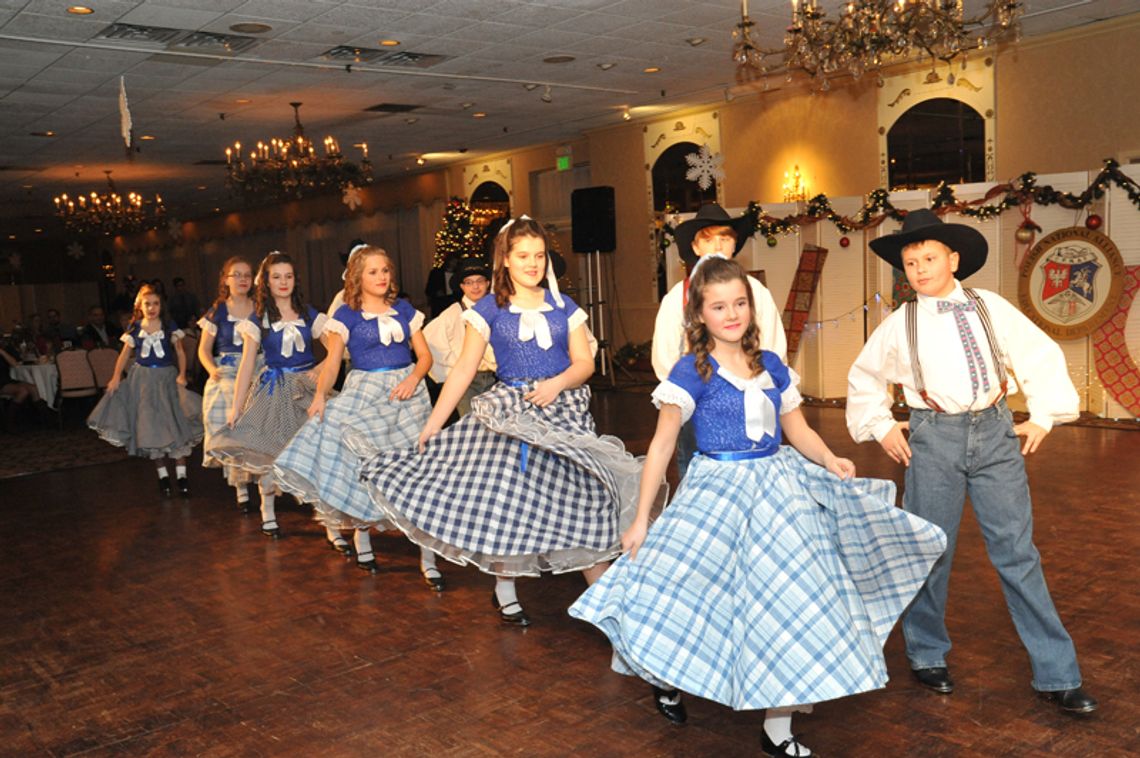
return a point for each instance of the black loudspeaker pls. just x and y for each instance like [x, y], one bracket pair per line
[592, 220]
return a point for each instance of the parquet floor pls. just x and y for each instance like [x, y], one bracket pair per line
[131, 625]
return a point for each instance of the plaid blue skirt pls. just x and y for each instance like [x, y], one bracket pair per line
[512, 488]
[319, 468]
[766, 583]
[217, 397]
[150, 415]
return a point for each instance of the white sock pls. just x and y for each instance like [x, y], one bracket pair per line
[242, 493]
[268, 511]
[363, 543]
[180, 471]
[162, 472]
[427, 563]
[778, 727]
[505, 591]
[332, 535]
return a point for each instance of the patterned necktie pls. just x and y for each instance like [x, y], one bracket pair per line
[974, 359]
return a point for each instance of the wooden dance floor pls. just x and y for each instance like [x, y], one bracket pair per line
[134, 625]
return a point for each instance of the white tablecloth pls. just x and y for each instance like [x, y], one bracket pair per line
[44, 375]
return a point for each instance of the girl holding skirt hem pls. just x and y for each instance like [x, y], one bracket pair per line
[219, 352]
[152, 414]
[774, 577]
[262, 422]
[383, 406]
[522, 484]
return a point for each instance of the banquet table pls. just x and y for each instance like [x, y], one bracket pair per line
[45, 376]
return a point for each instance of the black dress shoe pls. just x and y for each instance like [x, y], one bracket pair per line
[669, 705]
[340, 544]
[789, 748]
[183, 486]
[1075, 700]
[270, 529]
[433, 579]
[367, 562]
[936, 678]
[514, 618]
[164, 486]
[244, 507]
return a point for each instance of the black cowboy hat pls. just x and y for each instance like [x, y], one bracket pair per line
[921, 225]
[710, 214]
[469, 266]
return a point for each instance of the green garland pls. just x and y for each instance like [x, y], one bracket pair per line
[879, 207]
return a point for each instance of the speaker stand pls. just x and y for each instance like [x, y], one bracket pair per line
[595, 309]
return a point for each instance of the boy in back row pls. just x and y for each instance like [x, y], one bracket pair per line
[951, 350]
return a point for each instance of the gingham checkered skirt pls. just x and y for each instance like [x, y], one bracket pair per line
[217, 397]
[319, 468]
[273, 414]
[467, 498]
[150, 415]
[765, 583]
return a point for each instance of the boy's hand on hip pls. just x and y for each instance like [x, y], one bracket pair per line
[895, 443]
[1033, 435]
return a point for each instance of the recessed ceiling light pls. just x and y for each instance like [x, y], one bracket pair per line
[147, 137]
[558, 59]
[411, 120]
[42, 134]
[465, 106]
[389, 42]
[530, 87]
[696, 41]
[420, 161]
[250, 28]
[243, 101]
[201, 186]
[606, 66]
[478, 114]
[80, 10]
[38, 231]
[11, 236]
[651, 69]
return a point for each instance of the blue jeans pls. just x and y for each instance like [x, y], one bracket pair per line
[978, 454]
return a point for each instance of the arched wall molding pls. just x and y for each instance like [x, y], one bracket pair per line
[497, 171]
[972, 85]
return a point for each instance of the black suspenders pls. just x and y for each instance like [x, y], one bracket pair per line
[912, 346]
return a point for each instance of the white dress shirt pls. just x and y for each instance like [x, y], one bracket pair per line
[444, 335]
[1026, 351]
[669, 333]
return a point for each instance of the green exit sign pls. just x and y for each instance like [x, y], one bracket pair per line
[562, 162]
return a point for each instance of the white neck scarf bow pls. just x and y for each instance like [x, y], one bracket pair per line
[388, 327]
[534, 326]
[759, 411]
[292, 339]
[233, 320]
[152, 343]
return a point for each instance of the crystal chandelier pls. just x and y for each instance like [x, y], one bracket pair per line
[109, 212]
[289, 169]
[869, 34]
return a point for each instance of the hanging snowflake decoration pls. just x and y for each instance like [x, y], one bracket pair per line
[352, 197]
[705, 167]
[75, 250]
[174, 229]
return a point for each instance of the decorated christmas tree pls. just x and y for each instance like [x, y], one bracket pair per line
[460, 234]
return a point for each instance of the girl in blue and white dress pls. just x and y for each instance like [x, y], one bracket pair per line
[152, 414]
[219, 352]
[383, 405]
[774, 577]
[522, 484]
[284, 387]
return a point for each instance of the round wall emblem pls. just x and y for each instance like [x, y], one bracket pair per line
[1070, 282]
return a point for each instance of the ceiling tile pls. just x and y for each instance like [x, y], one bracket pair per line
[72, 29]
[148, 14]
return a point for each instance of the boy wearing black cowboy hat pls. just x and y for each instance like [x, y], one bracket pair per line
[444, 333]
[951, 350]
[710, 232]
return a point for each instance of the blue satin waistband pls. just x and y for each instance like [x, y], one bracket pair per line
[228, 359]
[380, 368]
[738, 455]
[273, 374]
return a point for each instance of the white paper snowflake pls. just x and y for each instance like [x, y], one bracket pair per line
[75, 250]
[705, 166]
[174, 228]
[352, 197]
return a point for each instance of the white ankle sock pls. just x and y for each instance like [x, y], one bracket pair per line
[778, 727]
[427, 562]
[162, 472]
[180, 471]
[242, 493]
[363, 543]
[268, 511]
[505, 591]
[332, 535]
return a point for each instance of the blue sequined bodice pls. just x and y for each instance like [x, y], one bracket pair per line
[272, 340]
[152, 358]
[364, 344]
[224, 342]
[526, 360]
